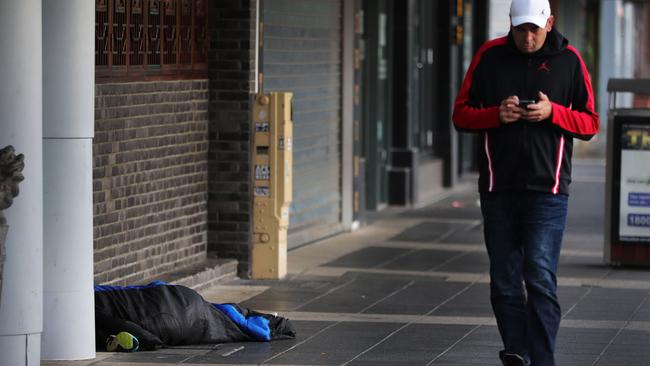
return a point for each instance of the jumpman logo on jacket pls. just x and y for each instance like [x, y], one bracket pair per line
[544, 67]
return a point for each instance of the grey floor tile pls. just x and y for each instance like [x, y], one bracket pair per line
[239, 353]
[592, 241]
[642, 316]
[570, 336]
[389, 362]
[257, 352]
[586, 213]
[474, 235]
[421, 260]
[581, 346]
[463, 206]
[161, 357]
[480, 347]
[416, 344]
[621, 361]
[427, 232]
[643, 313]
[635, 338]
[419, 298]
[470, 262]
[562, 359]
[483, 336]
[582, 267]
[608, 304]
[473, 302]
[468, 359]
[363, 291]
[454, 362]
[631, 350]
[589, 170]
[569, 296]
[370, 257]
[337, 344]
[287, 295]
[629, 274]
[624, 356]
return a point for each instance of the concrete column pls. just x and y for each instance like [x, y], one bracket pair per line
[21, 121]
[347, 145]
[68, 129]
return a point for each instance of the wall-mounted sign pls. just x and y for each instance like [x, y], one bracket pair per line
[261, 127]
[262, 172]
[262, 191]
[284, 143]
[634, 197]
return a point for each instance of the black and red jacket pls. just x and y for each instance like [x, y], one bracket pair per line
[527, 155]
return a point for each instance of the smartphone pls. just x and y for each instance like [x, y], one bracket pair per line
[523, 103]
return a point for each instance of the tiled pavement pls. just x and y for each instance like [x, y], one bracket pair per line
[412, 289]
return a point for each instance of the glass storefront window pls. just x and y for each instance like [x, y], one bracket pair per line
[641, 45]
[634, 45]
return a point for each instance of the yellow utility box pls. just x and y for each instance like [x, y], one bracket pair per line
[272, 162]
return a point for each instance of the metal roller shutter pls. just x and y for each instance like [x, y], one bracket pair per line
[302, 54]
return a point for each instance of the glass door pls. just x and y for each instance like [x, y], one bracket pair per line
[376, 101]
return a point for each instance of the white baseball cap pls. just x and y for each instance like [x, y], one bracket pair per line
[530, 11]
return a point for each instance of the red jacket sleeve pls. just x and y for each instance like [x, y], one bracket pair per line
[466, 116]
[580, 119]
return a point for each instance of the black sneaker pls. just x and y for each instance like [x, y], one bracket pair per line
[512, 359]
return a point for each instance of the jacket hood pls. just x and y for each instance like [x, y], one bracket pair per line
[554, 44]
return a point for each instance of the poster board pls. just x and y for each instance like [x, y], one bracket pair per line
[631, 188]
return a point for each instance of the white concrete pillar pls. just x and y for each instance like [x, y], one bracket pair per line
[21, 121]
[68, 129]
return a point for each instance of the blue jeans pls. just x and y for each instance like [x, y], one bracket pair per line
[523, 234]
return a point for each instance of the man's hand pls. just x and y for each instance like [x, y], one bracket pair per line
[538, 111]
[509, 111]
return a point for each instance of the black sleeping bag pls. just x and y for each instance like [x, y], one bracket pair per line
[163, 315]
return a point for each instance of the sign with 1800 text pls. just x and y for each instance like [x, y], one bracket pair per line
[634, 209]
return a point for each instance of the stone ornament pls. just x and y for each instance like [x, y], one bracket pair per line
[11, 167]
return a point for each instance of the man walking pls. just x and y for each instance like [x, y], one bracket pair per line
[528, 94]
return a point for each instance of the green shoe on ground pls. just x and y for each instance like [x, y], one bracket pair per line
[122, 342]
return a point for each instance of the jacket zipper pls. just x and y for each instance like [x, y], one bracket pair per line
[525, 145]
[526, 96]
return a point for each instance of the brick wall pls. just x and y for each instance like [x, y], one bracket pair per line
[231, 62]
[149, 178]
